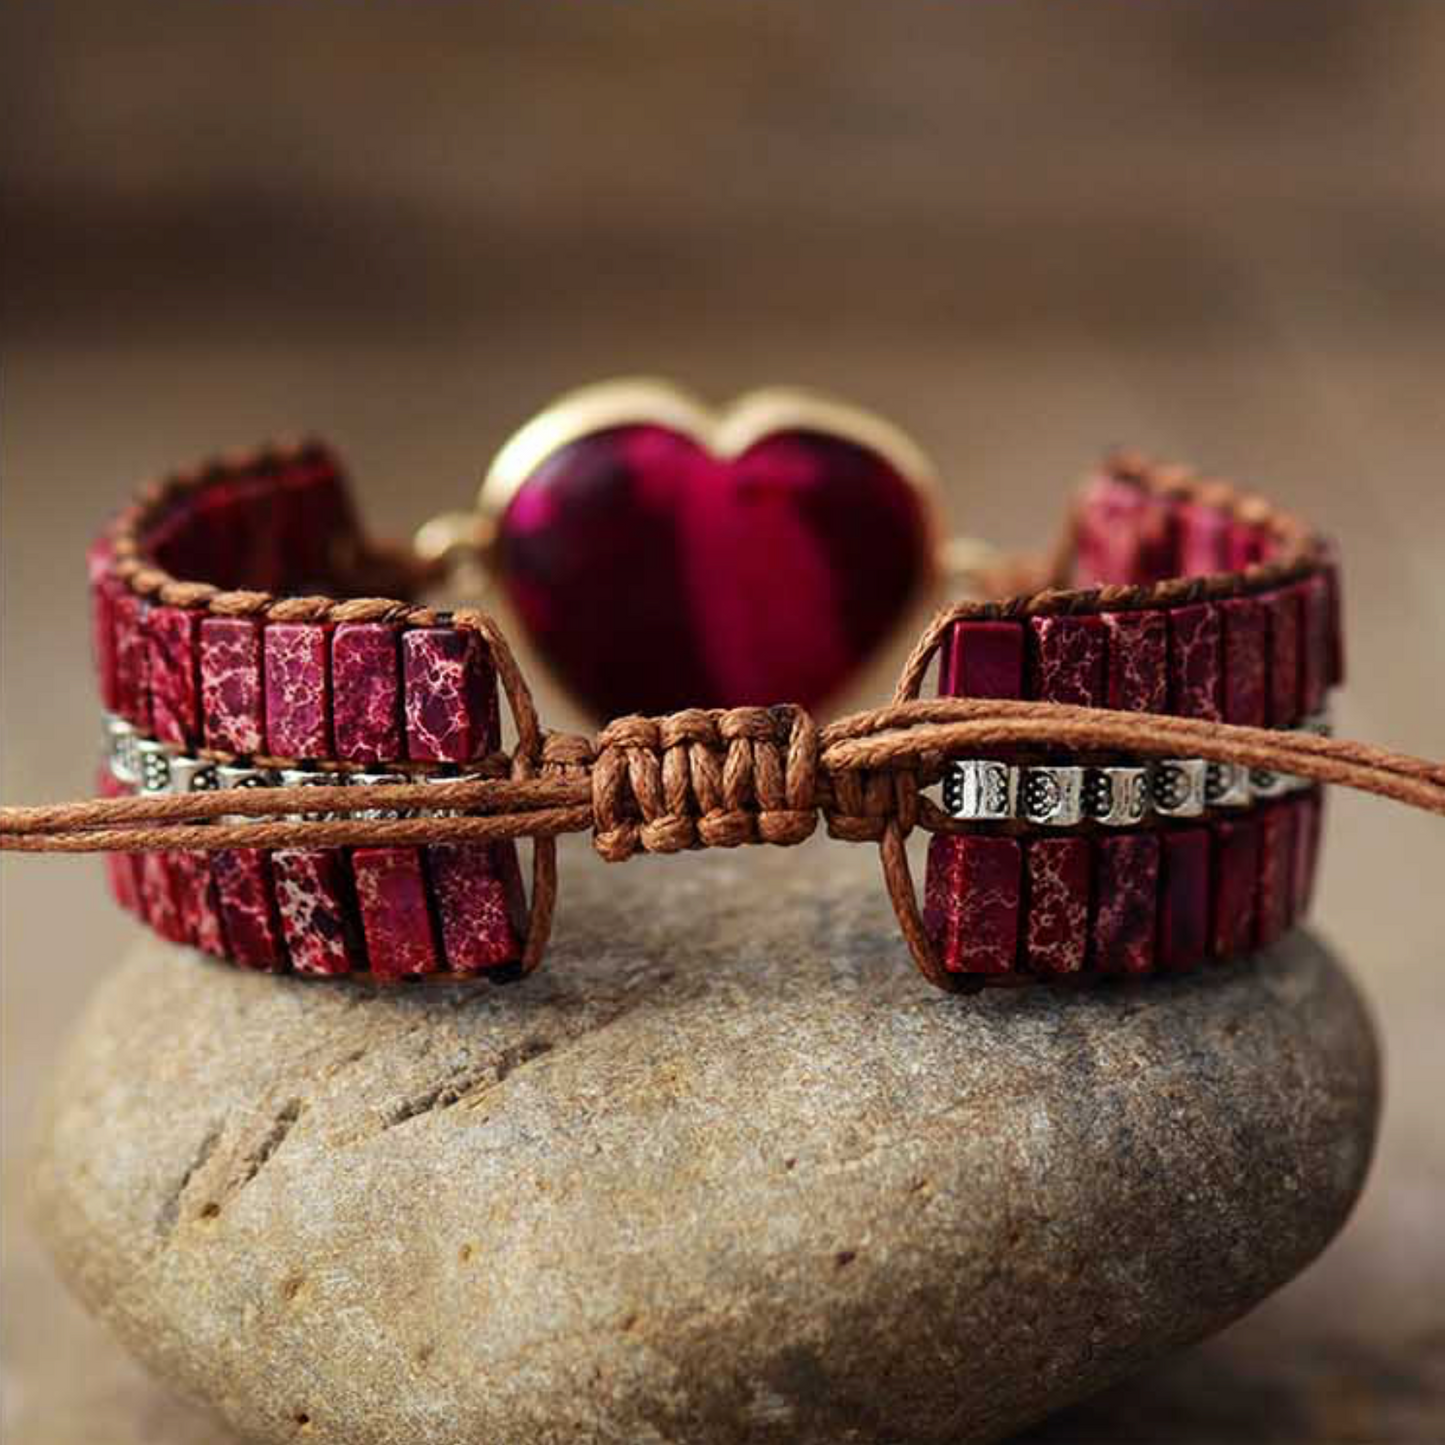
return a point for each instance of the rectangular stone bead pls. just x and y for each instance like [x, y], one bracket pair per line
[196, 897]
[1203, 539]
[1283, 609]
[366, 692]
[103, 590]
[1236, 880]
[1245, 691]
[160, 900]
[174, 640]
[247, 903]
[122, 870]
[1247, 544]
[246, 543]
[313, 900]
[449, 694]
[1194, 661]
[983, 659]
[1334, 627]
[1137, 670]
[1124, 533]
[232, 697]
[1184, 898]
[1057, 934]
[1126, 890]
[1066, 662]
[395, 914]
[1275, 896]
[1314, 643]
[298, 689]
[314, 512]
[1308, 830]
[480, 904]
[132, 666]
[972, 899]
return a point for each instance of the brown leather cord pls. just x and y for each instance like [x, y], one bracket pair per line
[709, 779]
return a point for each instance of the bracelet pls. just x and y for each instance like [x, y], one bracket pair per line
[303, 775]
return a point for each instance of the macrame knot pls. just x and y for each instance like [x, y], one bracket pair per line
[704, 778]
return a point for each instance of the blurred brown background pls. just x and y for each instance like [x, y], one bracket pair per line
[1026, 231]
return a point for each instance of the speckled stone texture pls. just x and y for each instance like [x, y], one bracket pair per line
[726, 1171]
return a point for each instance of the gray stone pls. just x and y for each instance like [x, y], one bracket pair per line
[727, 1170]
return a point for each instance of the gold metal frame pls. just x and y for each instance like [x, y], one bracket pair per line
[726, 432]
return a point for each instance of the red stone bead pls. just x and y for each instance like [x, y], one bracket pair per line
[480, 904]
[160, 901]
[1236, 879]
[313, 511]
[1314, 642]
[1275, 898]
[366, 690]
[1283, 609]
[232, 710]
[1184, 898]
[1137, 674]
[245, 897]
[1125, 533]
[313, 901]
[174, 640]
[196, 897]
[756, 579]
[1194, 661]
[1246, 661]
[395, 915]
[132, 670]
[983, 659]
[103, 591]
[450, 694]
[1057, 935]
[1334, 628]
[972, 898]
[298, 690]
[1067, 660]
[122, 870]
[1247, 545]
[1126, 887]
[246, 545]
[1203, 539]
[1308, 828]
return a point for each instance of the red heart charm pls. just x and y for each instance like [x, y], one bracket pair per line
[661, 556]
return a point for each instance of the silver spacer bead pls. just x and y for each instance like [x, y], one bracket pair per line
[155, 766]
[1226, 785]
[1117, 797]
[1266, 784]
[977, 790]
[122, 751]
[234, 775]
[376, 815]
[192, 775]
[309, 778]
[1177, 787]
[1051, 797]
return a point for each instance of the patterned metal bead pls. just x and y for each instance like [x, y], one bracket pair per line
[1116, 797]
[1266, 784]
[375, 815]
[1177, 786]
[123, 751]
[155, 766]
[192, 775]
[234, 775]
[977, 790]
[1226, 785]
[1319, 724]
[1051, 797]
[311, 778]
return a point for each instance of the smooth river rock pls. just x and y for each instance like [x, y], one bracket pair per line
[727, 1170]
